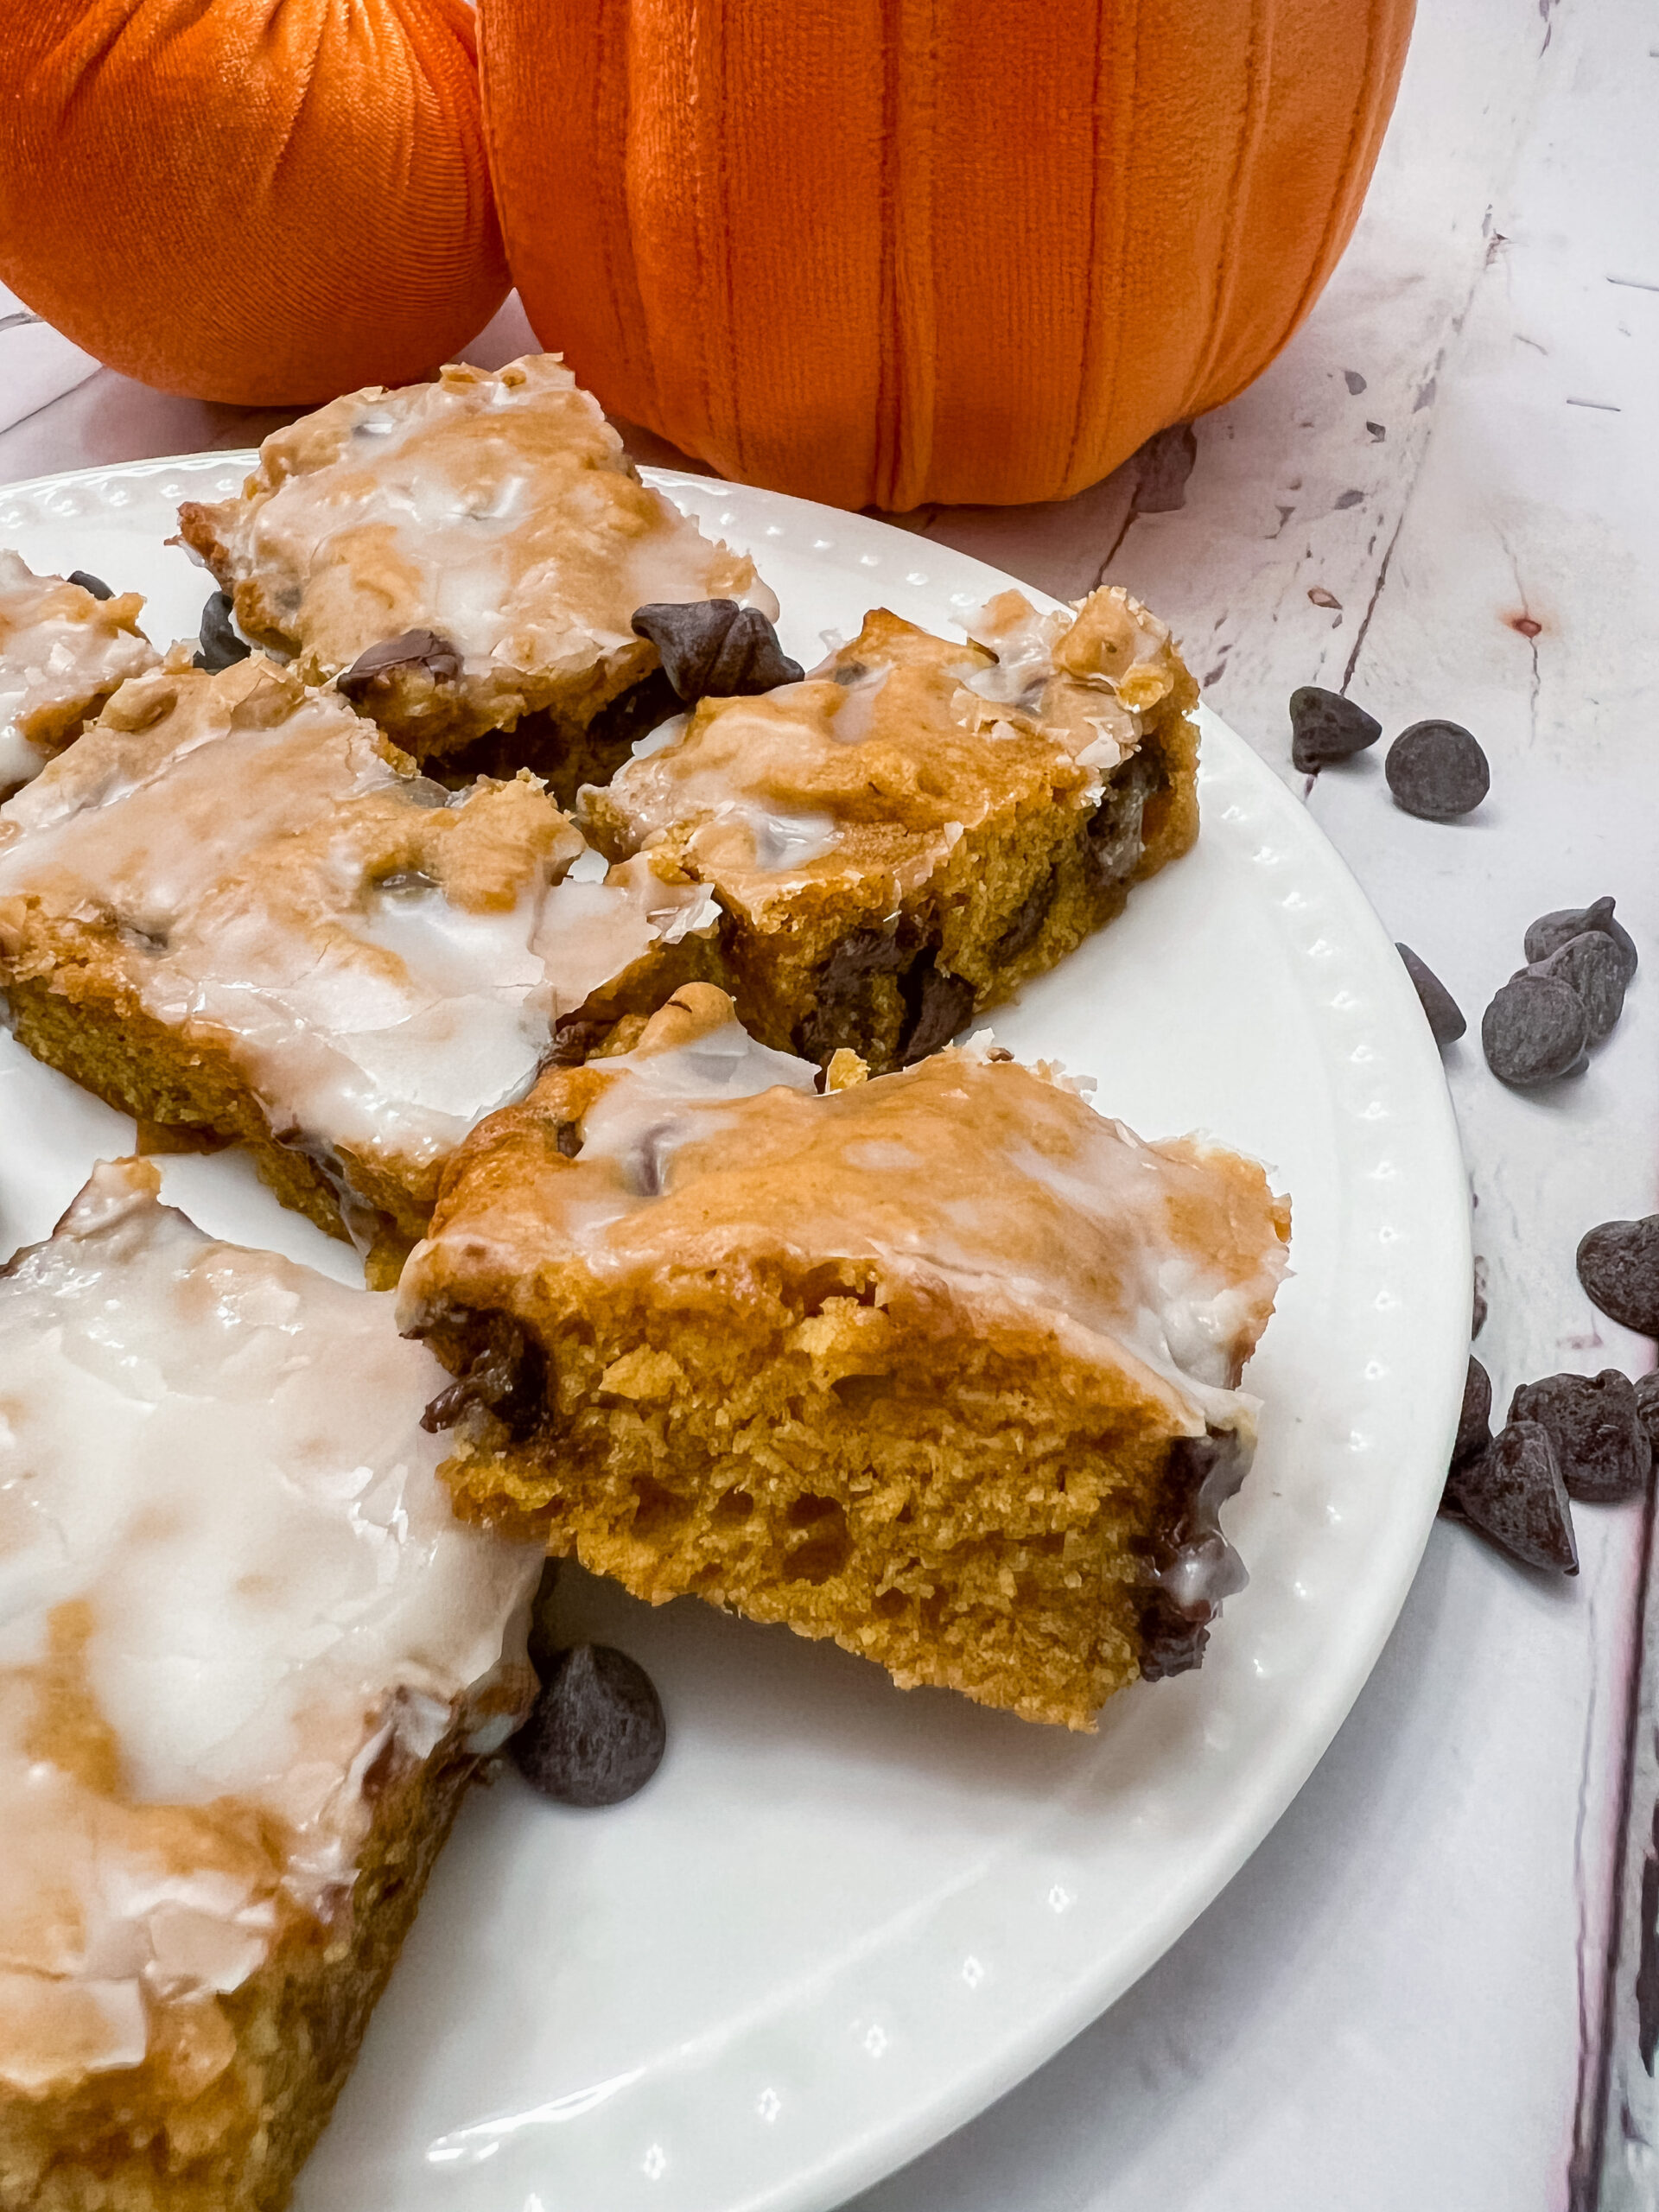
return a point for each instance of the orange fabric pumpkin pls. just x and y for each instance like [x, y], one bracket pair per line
[890, 251]
[268, 201]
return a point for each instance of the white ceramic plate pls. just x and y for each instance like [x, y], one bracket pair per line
[843, 1919]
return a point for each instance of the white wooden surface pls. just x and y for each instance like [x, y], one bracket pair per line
[1398, 2003]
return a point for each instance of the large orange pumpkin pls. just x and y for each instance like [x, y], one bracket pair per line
[262, 200]
[890, 251]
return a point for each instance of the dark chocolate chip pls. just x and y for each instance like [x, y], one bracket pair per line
[938, 1004]
[1533, 1031]
[1201, 1473]
[1474, 1422]
[841, 999]
[369, 674]
[1647, 1405]
[1552, 931]
[1514, 1493]
[1595, 1424]
[573, 1040]
[1618, 1266]
[88, 581]
[1116, 831]
[1325, 727]
[567, 1136]
[713, 648]
[220, 647]
[1437, 771]
[504, 1371]
[596, 1734]
[1026, 927]
[1593, 966]
[1445, 1015]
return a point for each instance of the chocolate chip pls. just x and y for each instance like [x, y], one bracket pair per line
[88, 581]
[713, 648]
[220, 647]
[574, 1039]
[1618, 1266]
[369, 675]
[596, 1734]
[1445, 1015]
[1550, 931]
[1533, 1031]
[1116, 827]
[1026, 927]
[1593, 966]
[567, 1136]
[1514, 1493]
[1595, 1426]
[1325, 727]
[939, 1003]
[1647, 1406]
[841, 999]
[1474, 1422]
[1437, 771]
[504, 1371]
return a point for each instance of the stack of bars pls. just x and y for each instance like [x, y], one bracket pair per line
[494, 880]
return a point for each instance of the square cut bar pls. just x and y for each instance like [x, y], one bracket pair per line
[920, 827]
[944, 1365]
[234, 910]
[248, 1664]
[63, 652]
[466, 558]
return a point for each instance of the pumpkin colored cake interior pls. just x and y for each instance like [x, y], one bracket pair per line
[919, 827]
[234, 910]
[63, 652]
[249, 1664]
[943, 1364]
[465, 558]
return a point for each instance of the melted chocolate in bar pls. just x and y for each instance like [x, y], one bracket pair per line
[1193, 1568]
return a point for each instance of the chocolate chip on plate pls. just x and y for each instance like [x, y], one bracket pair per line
[1535, 1030]
[371, 672]
[1593, 965]
[713, 648]
[1514, 1493]
[1647, 1405]
[1445, 1021]
[595, 1735]
[1474, 1428]
[88, 581]
[1325, 727]
[1619, 1265]
[1595, 1424]
[1550, 931]
[220, 647]
[1437, 771]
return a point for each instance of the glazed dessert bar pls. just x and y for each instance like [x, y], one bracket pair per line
[248, 1663]
[943, 1364]
[466, 558]
[920, 827]
[63, 651]
[235, 911]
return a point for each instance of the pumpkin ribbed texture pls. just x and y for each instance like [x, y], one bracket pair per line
[878, 251]
[267, 202]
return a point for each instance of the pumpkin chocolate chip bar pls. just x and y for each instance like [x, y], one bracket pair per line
[64, 649]
[465, 558]
[943, 1364]
[919, 827]
[251, 1662]
[234, 909]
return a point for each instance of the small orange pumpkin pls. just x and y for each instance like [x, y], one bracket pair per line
[889, 251]
[267, 202]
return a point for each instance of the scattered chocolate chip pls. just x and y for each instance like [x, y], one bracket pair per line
[220, 647]
[1533, 1031]
[1647, 1405]
[1325, 727]
[1595, 1426]
[505, 1371]
[596, 1734]
[1474, 1422]
[939, 1005]
[1445, 1021]
[1618, 1266]
[1437, 771]
[1550, 931]
[1593, 966]
[369, 675]
[1514, 1493]
[713, 648]
[88, 581]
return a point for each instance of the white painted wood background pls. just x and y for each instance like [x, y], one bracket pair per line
[1397, 2007]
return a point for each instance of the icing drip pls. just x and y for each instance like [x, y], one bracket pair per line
[231, 1584]
[62, 652]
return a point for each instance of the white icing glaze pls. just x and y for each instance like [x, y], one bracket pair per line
[61, 653]
[1095, 670]
[216, 1456]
